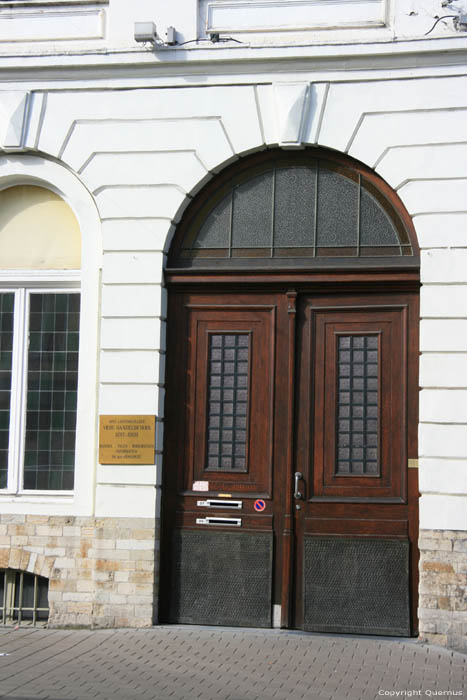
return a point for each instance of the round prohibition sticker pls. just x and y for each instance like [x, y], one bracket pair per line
[260, 505]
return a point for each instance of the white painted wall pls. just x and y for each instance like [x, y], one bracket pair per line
[142, 145]
[27, 28]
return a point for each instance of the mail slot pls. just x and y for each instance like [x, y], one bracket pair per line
[217, 503]
[233, 522]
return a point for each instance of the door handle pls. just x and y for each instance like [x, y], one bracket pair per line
[297, 494]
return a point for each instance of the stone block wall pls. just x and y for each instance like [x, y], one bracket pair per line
[102, 571]
[443, 588]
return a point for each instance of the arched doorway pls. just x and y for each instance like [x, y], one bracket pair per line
[291, 412]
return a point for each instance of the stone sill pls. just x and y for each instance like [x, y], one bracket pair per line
[42, 497]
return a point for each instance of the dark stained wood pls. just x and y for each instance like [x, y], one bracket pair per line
[412, 450]
[245, 166]
[355, 317]
[264, 317]
[345, 527]
[381, 506]
[366, 509]
[357, 279]
[174, 437]
[258, 321]
[293, 389]
[292, 313]
[259, 523]
[393, 512]
[288, 526]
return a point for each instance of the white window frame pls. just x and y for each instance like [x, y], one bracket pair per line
[27, 169]
[28, 283]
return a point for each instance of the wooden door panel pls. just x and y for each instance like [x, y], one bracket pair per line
[249, 520]
[356, 526]
[230, 412]
[359, 417]
[219, 551]
[354, 400]
[359, 509]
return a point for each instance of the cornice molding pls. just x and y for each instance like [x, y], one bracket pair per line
[419, 57]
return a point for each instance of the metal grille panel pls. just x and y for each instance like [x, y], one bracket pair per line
[358, 585]
[23, 598]
[357, 406]
[228, 401]
[222, 578]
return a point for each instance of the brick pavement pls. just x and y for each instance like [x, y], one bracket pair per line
[187, 663]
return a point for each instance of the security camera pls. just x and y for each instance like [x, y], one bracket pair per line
[146, 32]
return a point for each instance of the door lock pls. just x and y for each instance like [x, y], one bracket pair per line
[297, 495]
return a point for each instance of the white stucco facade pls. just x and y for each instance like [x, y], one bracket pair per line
[128, 134]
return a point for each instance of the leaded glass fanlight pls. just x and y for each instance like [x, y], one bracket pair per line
[299, 210]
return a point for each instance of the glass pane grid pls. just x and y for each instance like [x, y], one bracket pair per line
[6, 357]
[52, 391]
[317, 208]
[357, 405]
[228, 372]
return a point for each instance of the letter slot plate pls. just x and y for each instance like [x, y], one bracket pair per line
[232, 522]
[216, 503]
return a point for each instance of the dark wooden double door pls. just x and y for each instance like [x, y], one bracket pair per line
[290, 419]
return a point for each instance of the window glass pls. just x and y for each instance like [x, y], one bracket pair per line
[6, 358]
[252, 213]
[294, 206]
[338, 202]
[357, 408]
[228, 401]
[42, 406]
[52, 386]
[310, 210]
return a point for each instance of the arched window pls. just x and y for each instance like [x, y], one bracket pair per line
[300, 210]
[40, 257]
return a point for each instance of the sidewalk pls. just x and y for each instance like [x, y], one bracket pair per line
[186, 663]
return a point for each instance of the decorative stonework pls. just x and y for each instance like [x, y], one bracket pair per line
[101, 571]
[291, 106]
[443, 590]
[14, 106]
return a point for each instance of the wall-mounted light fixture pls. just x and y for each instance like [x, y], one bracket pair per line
[146, 33]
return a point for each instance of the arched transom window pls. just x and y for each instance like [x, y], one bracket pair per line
[293, 211]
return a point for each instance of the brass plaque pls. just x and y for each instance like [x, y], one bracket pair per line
[127, 439]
